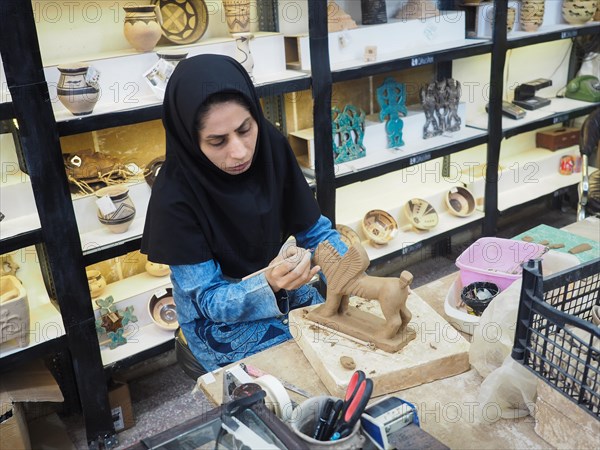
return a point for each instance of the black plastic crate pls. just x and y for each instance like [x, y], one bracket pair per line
[555, 337]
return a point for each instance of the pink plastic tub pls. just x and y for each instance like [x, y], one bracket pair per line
[496, 260]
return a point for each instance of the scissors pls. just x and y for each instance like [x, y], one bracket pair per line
[358, 394]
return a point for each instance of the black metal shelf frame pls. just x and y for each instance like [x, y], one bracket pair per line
[20, 241]
[412, 61]
[142, 356]
[6, 111]
[78, 125]
[10, 362]
[93, 257]
[553, 36]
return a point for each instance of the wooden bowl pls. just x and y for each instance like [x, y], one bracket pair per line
[460, 201]
[421, 214]
[379, 227]
[348, 235]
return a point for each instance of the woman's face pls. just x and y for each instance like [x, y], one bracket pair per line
[228, 137]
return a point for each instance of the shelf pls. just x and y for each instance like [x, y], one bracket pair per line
[551, 33]
[45, 321]
[560, 110]
[10, 362]
[407, 59]
[20, 241]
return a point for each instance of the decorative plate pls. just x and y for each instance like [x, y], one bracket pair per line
[183, 21]
[348, 235]
[379, 226]
[460, 201]
[151, 170]
[421, 214]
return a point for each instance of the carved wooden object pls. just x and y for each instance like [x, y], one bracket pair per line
[345, 277]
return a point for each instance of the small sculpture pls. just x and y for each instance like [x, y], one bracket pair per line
[345, 277]
[370, 53]
[391, 97]
[440, 101]
[110, 326]
[348, 132]
[8, 265]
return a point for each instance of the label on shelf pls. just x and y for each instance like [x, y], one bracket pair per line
[568, 34]
[160, 293]
[419, 159]
[561, 118]
[422, 60]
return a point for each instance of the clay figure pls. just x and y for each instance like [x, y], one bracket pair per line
[453, 93]
[428, 100]
[391, 97]
[346, 276]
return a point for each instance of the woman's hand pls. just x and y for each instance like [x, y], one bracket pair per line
[294, 272]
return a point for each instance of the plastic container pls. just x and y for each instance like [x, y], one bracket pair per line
[496, 260]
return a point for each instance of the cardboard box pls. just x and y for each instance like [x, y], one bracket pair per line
[120, 405]
[14, 434]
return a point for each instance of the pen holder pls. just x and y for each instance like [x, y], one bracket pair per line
[304, 421]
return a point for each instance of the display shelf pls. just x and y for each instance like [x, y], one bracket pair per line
[45, 321]
[390, 193]
[9, 362]
[18, 206]
[139, 340]
[551, 33]
[560, 110]
[123, 87]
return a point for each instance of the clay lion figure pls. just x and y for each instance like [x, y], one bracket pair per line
[346, 276]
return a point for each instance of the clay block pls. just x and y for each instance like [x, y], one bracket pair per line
[557, 139]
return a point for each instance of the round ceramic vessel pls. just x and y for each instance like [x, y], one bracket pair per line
[379, 226]
[162, 310]
[141, 27]
[78, 94]
[421, 214]
[460, 201]
[532, 14]
[237, 15]
[119, 220]
[577, 12]
[96, 282]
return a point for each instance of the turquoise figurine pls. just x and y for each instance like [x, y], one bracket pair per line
[348, 132]
[391, 97]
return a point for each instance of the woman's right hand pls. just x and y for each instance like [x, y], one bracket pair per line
[295, 272]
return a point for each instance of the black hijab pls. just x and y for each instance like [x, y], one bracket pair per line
[198, 212]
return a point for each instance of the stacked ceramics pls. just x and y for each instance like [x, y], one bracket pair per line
[142, 28]
[532, 14]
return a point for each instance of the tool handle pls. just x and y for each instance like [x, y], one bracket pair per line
[331, 422]
[323, 418]
[354, 410]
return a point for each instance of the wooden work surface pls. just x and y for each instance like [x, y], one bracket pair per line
[446, 407]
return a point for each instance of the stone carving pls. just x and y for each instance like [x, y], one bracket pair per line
[345, 277]
[348, 132]
[440, 101]
[391, 97]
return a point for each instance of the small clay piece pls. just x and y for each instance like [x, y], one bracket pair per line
[580, 248]
[345, 277]
[527, 239]
[555, 246]
[347, 363]
[544, 242]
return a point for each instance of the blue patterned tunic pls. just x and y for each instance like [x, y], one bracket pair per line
[225, 320]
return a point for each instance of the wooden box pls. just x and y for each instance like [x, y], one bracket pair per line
[558, 138]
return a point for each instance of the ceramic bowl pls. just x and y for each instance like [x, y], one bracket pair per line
[460, 201]
[474, 304]
[379, 227]
[157, 269]
[348, 235]
[162, 310]
[421, 214]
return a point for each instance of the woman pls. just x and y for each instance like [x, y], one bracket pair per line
[227, 198]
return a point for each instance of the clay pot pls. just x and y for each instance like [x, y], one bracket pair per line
[78, 88]
[577, 12]
[511, 15]
[142, 27]
[157, 269]
[118, 220]
[237, 15]
[96, 282]
[379, 227]
[532, 14]
[14, 321]
[243, 54]
[172, 56]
